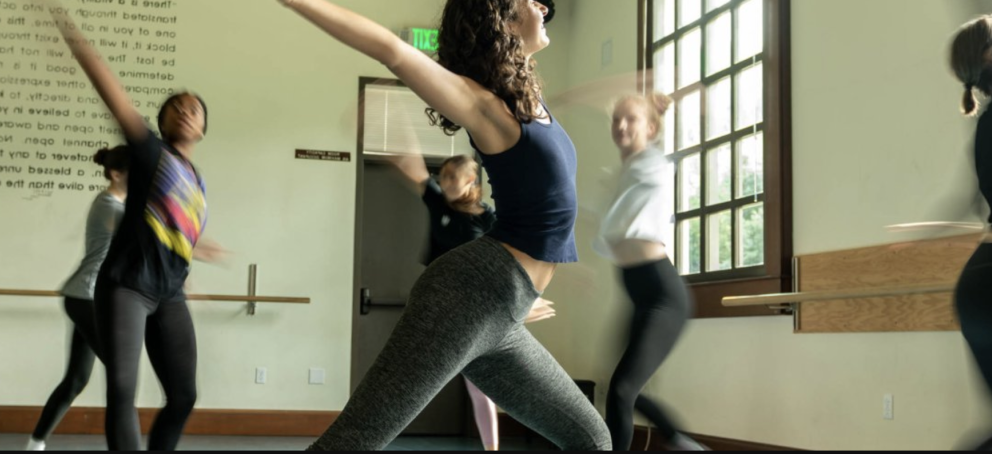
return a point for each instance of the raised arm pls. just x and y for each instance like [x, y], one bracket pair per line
[413, 168]
[100, 75]
[458, 98]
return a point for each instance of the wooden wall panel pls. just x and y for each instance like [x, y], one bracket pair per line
[935, 261]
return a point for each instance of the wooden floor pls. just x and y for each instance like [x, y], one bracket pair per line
[200, 443]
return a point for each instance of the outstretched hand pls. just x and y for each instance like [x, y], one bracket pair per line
[210, 252]
[541, 310]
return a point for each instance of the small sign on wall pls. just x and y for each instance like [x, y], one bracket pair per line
[318, 155]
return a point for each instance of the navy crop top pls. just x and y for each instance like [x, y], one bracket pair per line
[533, 186]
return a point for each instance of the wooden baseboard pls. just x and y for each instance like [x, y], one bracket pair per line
[726, 444]
[90, 421]
[641, 442]
[511, 428]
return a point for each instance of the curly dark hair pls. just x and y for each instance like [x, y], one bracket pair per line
[475, 41]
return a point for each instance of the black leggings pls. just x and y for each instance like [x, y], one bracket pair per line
[973, 298]
[82, 354]
[662, 306]
[126, 319]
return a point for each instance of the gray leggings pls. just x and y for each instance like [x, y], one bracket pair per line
[465, 314]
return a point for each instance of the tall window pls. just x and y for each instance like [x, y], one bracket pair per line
[707, 54]
[725, 63]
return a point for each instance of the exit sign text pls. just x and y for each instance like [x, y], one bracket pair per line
[424, 39]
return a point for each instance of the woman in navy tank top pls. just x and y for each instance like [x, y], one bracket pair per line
[466, 312]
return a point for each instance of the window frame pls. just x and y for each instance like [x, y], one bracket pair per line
[775, 275]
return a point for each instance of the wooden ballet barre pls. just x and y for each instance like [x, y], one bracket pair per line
[802, 297]
[232, 298]
[9, 292]
[251, 298]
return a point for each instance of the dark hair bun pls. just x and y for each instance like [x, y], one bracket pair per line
[117, 158]
[100, 158]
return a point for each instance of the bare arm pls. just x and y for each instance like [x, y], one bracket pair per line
[412, 167]
[100, 75]
[599, 92]
[209, 251]
[458, 98]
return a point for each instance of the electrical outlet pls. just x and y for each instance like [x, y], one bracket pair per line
[317, 376]
[261, 375]
[887, 412]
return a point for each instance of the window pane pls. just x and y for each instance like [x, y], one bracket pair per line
[664, 18]
[689, 183]
[750, 30]
[668, 146]
[690, 47]
[751, 235]
[718, 44]
[714, 4]
[750, 97]
[664, 68]
[689, 121]
[718, 177]
[718, 109]
[689, 10]
[688, 250]
[718, 241]
[751, 165]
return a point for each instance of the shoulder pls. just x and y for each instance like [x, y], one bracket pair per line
[146, 153]
[150, 140]
[106, 200]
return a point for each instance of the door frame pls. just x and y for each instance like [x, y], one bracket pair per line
[359, 214]
[360, 160]
[433, 162]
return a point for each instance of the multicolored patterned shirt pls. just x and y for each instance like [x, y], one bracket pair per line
[165, 214]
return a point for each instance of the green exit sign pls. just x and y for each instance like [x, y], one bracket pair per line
[424, 39]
